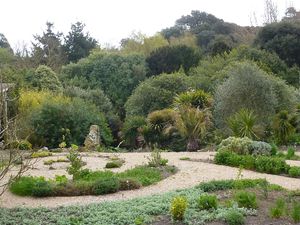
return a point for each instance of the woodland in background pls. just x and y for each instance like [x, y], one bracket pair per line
[185, 87]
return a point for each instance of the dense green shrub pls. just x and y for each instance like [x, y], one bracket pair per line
[169, 59]
[281, 38]
[264, 164]
[246, 199]
[132, 130]
[294, 171]
[271, 165]
[207, 202]
[42, 188]
[106, 186]
[232, 159]
[114, 164]
[278, 209]
[178, 207]
[156, 93]
[295, 214]
[45, 78]
[234, 217]
[117, 75]
[68, 118]
[23, 186]
[94, 96]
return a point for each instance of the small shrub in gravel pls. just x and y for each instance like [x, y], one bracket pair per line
[178, 207]
[207, 201]
[294, 171]
[234, 217]
[246, 199]
[114, 164]
[41, 154]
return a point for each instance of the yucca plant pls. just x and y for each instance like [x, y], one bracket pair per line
[192, 124]
[194, 98]
[243, 123]
[282, 127]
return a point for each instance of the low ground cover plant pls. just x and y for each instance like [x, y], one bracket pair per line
[126, 212]
[88, 182]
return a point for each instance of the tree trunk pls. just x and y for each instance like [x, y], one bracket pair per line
[192, 145]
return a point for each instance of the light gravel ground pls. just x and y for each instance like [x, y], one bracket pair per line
[190, 174]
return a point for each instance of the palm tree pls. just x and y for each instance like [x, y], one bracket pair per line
[192, 123]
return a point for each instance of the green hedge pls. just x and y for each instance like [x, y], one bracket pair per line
[264, 164]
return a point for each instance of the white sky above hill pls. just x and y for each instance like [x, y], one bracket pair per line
[111, 20]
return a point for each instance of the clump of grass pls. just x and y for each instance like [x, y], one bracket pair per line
[185, 158]
[207, 202]
[295, 214]
[51, 161]
[234, 217]
[278, 210]
[41, 154]
[246, 199]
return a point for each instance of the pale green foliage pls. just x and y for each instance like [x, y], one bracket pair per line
[242, 124]
[247, 87]
[46, 79]
[95, 96]
[178, 207]
[140, 43]
[245, 146]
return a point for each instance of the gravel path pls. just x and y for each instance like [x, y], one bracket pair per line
[190, 174]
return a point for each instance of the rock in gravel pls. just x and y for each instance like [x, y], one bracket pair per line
[92, 140]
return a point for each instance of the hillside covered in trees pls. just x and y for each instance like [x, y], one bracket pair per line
[187, 86]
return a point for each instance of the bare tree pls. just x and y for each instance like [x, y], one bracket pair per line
[271, 12]
[13, 162]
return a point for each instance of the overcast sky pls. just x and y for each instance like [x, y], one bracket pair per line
[111, 20]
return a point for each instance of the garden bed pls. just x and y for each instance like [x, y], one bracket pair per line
[155, 209]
